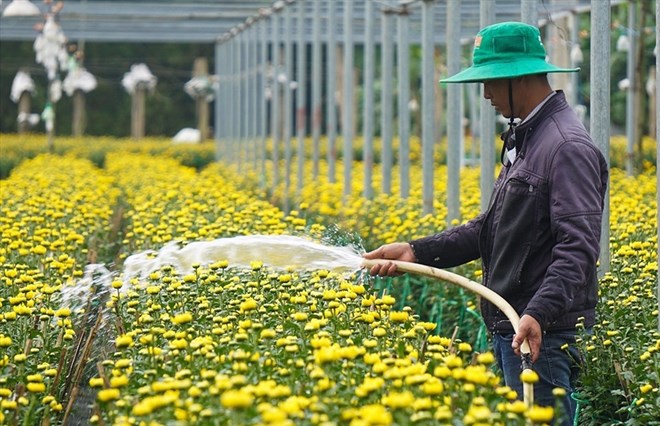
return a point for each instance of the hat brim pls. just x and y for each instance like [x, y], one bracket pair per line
[499, 70]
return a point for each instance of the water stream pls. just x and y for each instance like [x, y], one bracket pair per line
[275, 251]
[92, 291]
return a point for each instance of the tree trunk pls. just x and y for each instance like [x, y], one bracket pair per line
[558, 43]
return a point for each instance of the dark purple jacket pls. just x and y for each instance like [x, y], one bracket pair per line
[539, 239]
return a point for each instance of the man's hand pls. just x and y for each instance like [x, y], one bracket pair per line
[393, 251]
[529, 329]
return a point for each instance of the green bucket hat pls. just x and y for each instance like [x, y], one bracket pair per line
[506, 50]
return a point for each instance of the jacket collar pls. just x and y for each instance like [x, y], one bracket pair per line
[554, 104]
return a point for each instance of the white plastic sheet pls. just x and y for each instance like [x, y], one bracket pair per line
[203, 86]
[50, 49]
[22, 83]
[138, 75]
[79, 79]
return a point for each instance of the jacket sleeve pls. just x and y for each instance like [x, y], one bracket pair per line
[452, 247]
[577, 180]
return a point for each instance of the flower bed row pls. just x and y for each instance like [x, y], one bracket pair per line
[157, 200]
[221, 344]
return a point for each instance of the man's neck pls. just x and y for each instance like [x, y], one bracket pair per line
[538, 106]
[535, 91]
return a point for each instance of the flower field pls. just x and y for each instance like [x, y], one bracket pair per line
[220, 344]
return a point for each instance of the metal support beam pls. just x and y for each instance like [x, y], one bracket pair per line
[264, 128]
[348, 110]
[454, 112]
[231, 98]
[219, 104]
[403, 63]
[387, 115]
[600, 107]
[487, 130]
[255, 95]
[657, 137]
[275, 105]
[631, 62]
[316, 88]
[368, 113]
[331, 50]
[288, 103]
[301, 92]
[573, 93]
[428, 106]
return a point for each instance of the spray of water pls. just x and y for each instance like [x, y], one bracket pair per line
[275, 251]
[96, 281]
[91, 293]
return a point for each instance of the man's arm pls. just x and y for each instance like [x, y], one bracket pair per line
[452, 247]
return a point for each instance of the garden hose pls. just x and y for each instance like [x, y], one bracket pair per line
[481, 290]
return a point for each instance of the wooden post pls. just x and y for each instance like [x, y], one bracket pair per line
[137, 112]
[201, 68]
[558, 46]
[79, 114]
[24, 111]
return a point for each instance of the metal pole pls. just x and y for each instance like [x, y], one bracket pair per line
[231, 116]
[245, 96]
[275, 103]
[253, 110]
[529, 12]
[657, 137]
[219, 103]
[263, 134]
[368, 83]
[347, 121]
[574, 23]
[332, 88]
[387, 59]
[600, 107]
[316, 88]
[301, 92]
[404, 96]
[474, 102]
[257, 93]
[246, 72]
[227, 98]
[454, 114]
[247, 111]
[240, 98]
[630, 94]
[487, 114]
[245, 105]
[288, 102]
[428, 105]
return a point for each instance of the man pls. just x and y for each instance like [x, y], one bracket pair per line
[539, 237]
